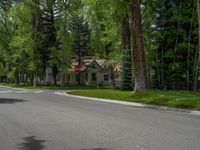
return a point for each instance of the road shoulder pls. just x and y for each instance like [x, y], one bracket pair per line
[140, 105]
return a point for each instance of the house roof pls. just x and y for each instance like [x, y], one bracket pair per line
[100, 61]
[86, 61]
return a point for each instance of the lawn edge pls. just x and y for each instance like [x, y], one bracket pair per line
[133, 104]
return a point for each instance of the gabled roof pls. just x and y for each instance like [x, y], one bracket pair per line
[86, 62]
[100, 61]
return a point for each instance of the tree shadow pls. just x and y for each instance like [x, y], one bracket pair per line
[10, 100]
[96, 149]
[31, 143]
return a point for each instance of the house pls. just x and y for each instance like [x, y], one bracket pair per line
[93, 72]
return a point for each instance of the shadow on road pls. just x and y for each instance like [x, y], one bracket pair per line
[31, 143]
[10, 100]
[95, 149]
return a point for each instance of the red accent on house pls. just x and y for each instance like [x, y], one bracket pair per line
[77, 68]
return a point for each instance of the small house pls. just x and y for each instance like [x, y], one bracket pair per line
[93, 72]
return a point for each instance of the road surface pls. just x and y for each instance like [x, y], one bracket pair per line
[43, 120]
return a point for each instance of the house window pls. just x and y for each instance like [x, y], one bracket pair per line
[94, 77]
[105, 77]
[93, 66]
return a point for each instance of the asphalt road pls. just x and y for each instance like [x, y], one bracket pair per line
[42, 120]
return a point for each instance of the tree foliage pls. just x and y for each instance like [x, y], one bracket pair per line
[152, 40]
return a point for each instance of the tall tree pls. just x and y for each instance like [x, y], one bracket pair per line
[126, 77]
[50, 44]
[36, 36]
[64, 39]
[81, 32]
[138, 50]
[175, 44]
[198, 11]
[198, 60]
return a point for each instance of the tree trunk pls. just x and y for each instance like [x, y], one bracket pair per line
[35, 29]
[62, 79]
[55, 72]
[198, 11]
[17, 78]
[35, 79]
[126, 45]
[112, 77]
[138, 50]
[188, 49]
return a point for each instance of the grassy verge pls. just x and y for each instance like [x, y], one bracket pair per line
[49, 87]
[185, 100]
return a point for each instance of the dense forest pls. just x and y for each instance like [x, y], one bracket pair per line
[156, 42]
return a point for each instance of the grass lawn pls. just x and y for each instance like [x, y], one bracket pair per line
[49, 87]
[186, 100]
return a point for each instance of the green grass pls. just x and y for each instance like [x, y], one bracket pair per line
[186, 100]
[49, 87]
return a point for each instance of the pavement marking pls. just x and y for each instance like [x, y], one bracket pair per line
[21, 89]
[18, 92]
[4, 92]
[37, 92]
[59, 93]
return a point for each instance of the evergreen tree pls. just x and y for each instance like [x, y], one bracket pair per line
[126, 79]
[177, 41]
[81, 39]
[126, 76]
[81, 34]
[49, 42]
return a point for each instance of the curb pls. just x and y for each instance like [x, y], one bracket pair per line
[16, 88]
[193, 112]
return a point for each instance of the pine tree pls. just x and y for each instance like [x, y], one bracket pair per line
[49, 38]
[126, 77]
[177, 42]
[81, 34]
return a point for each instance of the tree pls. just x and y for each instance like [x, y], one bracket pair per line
[198, 11]
[50, 43]
[126, 76]
[36, 36]
[175, 42]
[102, 16]
[169, 54]
[81, 32]
[198, 60]
[138, 50]
[64, 39]
[7, 32]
